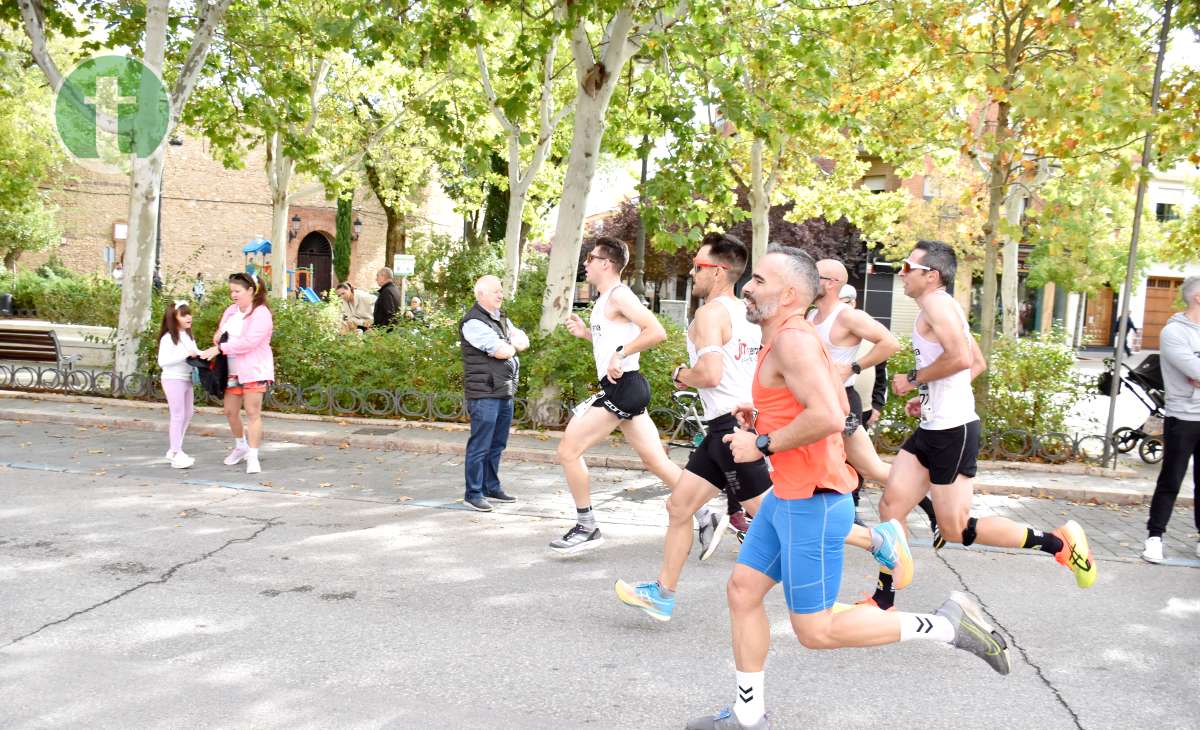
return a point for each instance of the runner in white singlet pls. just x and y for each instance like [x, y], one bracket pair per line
[939, 458]
[621, 329]
[722, 352]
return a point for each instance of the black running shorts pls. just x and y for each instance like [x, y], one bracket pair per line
[854, 420]
[713, 462]
[626, 398]
[946, 453]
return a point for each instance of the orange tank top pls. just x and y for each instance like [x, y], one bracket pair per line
[799, 472]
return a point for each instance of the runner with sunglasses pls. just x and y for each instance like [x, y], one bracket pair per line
[939, 458]
[621, 328]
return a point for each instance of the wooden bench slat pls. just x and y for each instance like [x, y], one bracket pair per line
[37, 346]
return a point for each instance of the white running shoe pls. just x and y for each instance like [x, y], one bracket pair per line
[181, 461]
[1198, 549]
[237, 455]
[252, 466]
[169, 456]
[1154, 550]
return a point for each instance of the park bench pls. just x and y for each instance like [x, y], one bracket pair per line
[34, 346]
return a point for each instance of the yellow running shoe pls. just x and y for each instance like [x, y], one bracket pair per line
[1076, 554]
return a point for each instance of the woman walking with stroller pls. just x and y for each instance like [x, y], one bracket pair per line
[175, 346]
[244, 337]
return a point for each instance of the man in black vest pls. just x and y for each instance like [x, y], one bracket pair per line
[490, 343]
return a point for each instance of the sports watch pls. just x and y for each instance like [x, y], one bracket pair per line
[855, 367]
[763, 443]
[912, 376]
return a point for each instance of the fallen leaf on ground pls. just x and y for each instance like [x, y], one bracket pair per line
[266, 484]
[325, 484]
[403, 498]
[22, 421]
[344, 445]
[95, 451]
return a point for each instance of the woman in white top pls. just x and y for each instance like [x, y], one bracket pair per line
[175, 345]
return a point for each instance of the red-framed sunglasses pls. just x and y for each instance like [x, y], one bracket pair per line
[906, 266]
[705, 265]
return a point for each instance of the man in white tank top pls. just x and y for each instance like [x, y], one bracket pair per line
[939, 458]
[722, 352]
[621, 328]
[842, 328]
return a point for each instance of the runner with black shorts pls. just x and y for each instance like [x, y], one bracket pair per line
[722, 351]
[621, 328]
[939, 458]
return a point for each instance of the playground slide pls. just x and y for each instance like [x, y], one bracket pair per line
[309, 294]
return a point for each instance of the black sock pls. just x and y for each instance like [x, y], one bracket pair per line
[1047, 542]
[884, 595]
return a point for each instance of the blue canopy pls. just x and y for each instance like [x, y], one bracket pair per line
[257, 245]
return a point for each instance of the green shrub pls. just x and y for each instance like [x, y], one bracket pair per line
[57, 295]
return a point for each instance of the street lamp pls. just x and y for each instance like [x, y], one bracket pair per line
[294, 229]
[356, 228]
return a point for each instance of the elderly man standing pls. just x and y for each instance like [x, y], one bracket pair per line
[490, 343]
[389, 302]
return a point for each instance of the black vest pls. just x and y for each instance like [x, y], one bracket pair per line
[483, 375]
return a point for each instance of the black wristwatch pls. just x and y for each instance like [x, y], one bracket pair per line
[763, 444]
[855, 367]
[912, 376]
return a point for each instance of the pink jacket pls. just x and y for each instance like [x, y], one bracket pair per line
[253, 347]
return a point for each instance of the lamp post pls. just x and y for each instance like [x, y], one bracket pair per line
[355, 229]
[162, 179]
[294, 228]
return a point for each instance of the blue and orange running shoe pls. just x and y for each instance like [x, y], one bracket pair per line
[647, 597]
[893, 553]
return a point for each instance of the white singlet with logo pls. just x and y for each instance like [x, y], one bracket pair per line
[608, 335]
[739, 357]
[949, 402]
[838, 354]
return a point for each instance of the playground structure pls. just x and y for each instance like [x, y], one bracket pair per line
[258, 263]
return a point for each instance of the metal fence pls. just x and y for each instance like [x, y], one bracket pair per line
[1011, 444]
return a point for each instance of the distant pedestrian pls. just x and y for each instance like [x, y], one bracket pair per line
[1179, 356]
[244, 336]
[490, 343]
[198, 289]
[416, 310]
[357, 308]
[118, 274]
[1131, 332]
[389, 302]
[175, 346]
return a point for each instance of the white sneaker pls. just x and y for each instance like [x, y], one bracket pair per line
[181, 460]
[237, 455]
[252, 466]
[1198, 549]
[169, 456]
[1154, 551]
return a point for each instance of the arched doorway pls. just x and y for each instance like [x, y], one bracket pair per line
[316, 251]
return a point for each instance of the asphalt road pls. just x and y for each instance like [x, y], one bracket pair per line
[346, 588]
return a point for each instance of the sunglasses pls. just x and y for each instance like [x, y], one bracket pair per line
[701, 265]
[826, 278]
[907, 266]
[593, 257]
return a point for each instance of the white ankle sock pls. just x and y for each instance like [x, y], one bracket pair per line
[926, 626]
[251, 453]
[749, 705]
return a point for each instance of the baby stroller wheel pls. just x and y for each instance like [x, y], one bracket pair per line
[1126, 439]
[1151, 450]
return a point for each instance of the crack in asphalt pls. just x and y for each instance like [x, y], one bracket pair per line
[266, 524]
[1041, 675]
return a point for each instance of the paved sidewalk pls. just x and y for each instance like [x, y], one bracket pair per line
[1069, 481]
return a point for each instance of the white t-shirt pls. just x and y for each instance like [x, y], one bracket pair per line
[234, 326]
[172, 357]
[608, 335]
[739, 358]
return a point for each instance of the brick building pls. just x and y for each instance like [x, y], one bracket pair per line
[209, 213]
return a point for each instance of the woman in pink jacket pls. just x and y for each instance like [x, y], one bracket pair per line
[249, 325]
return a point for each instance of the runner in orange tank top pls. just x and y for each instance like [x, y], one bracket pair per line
[797, 538]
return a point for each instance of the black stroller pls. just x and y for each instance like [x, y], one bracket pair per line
[1147, 386]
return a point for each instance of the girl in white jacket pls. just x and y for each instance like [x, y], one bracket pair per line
[175, 345]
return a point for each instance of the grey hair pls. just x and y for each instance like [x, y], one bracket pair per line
[802, 268]
[1190, 288]
[941, 258]
[386, 273]
[485, 279]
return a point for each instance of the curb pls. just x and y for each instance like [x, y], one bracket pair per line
[1106, 495]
